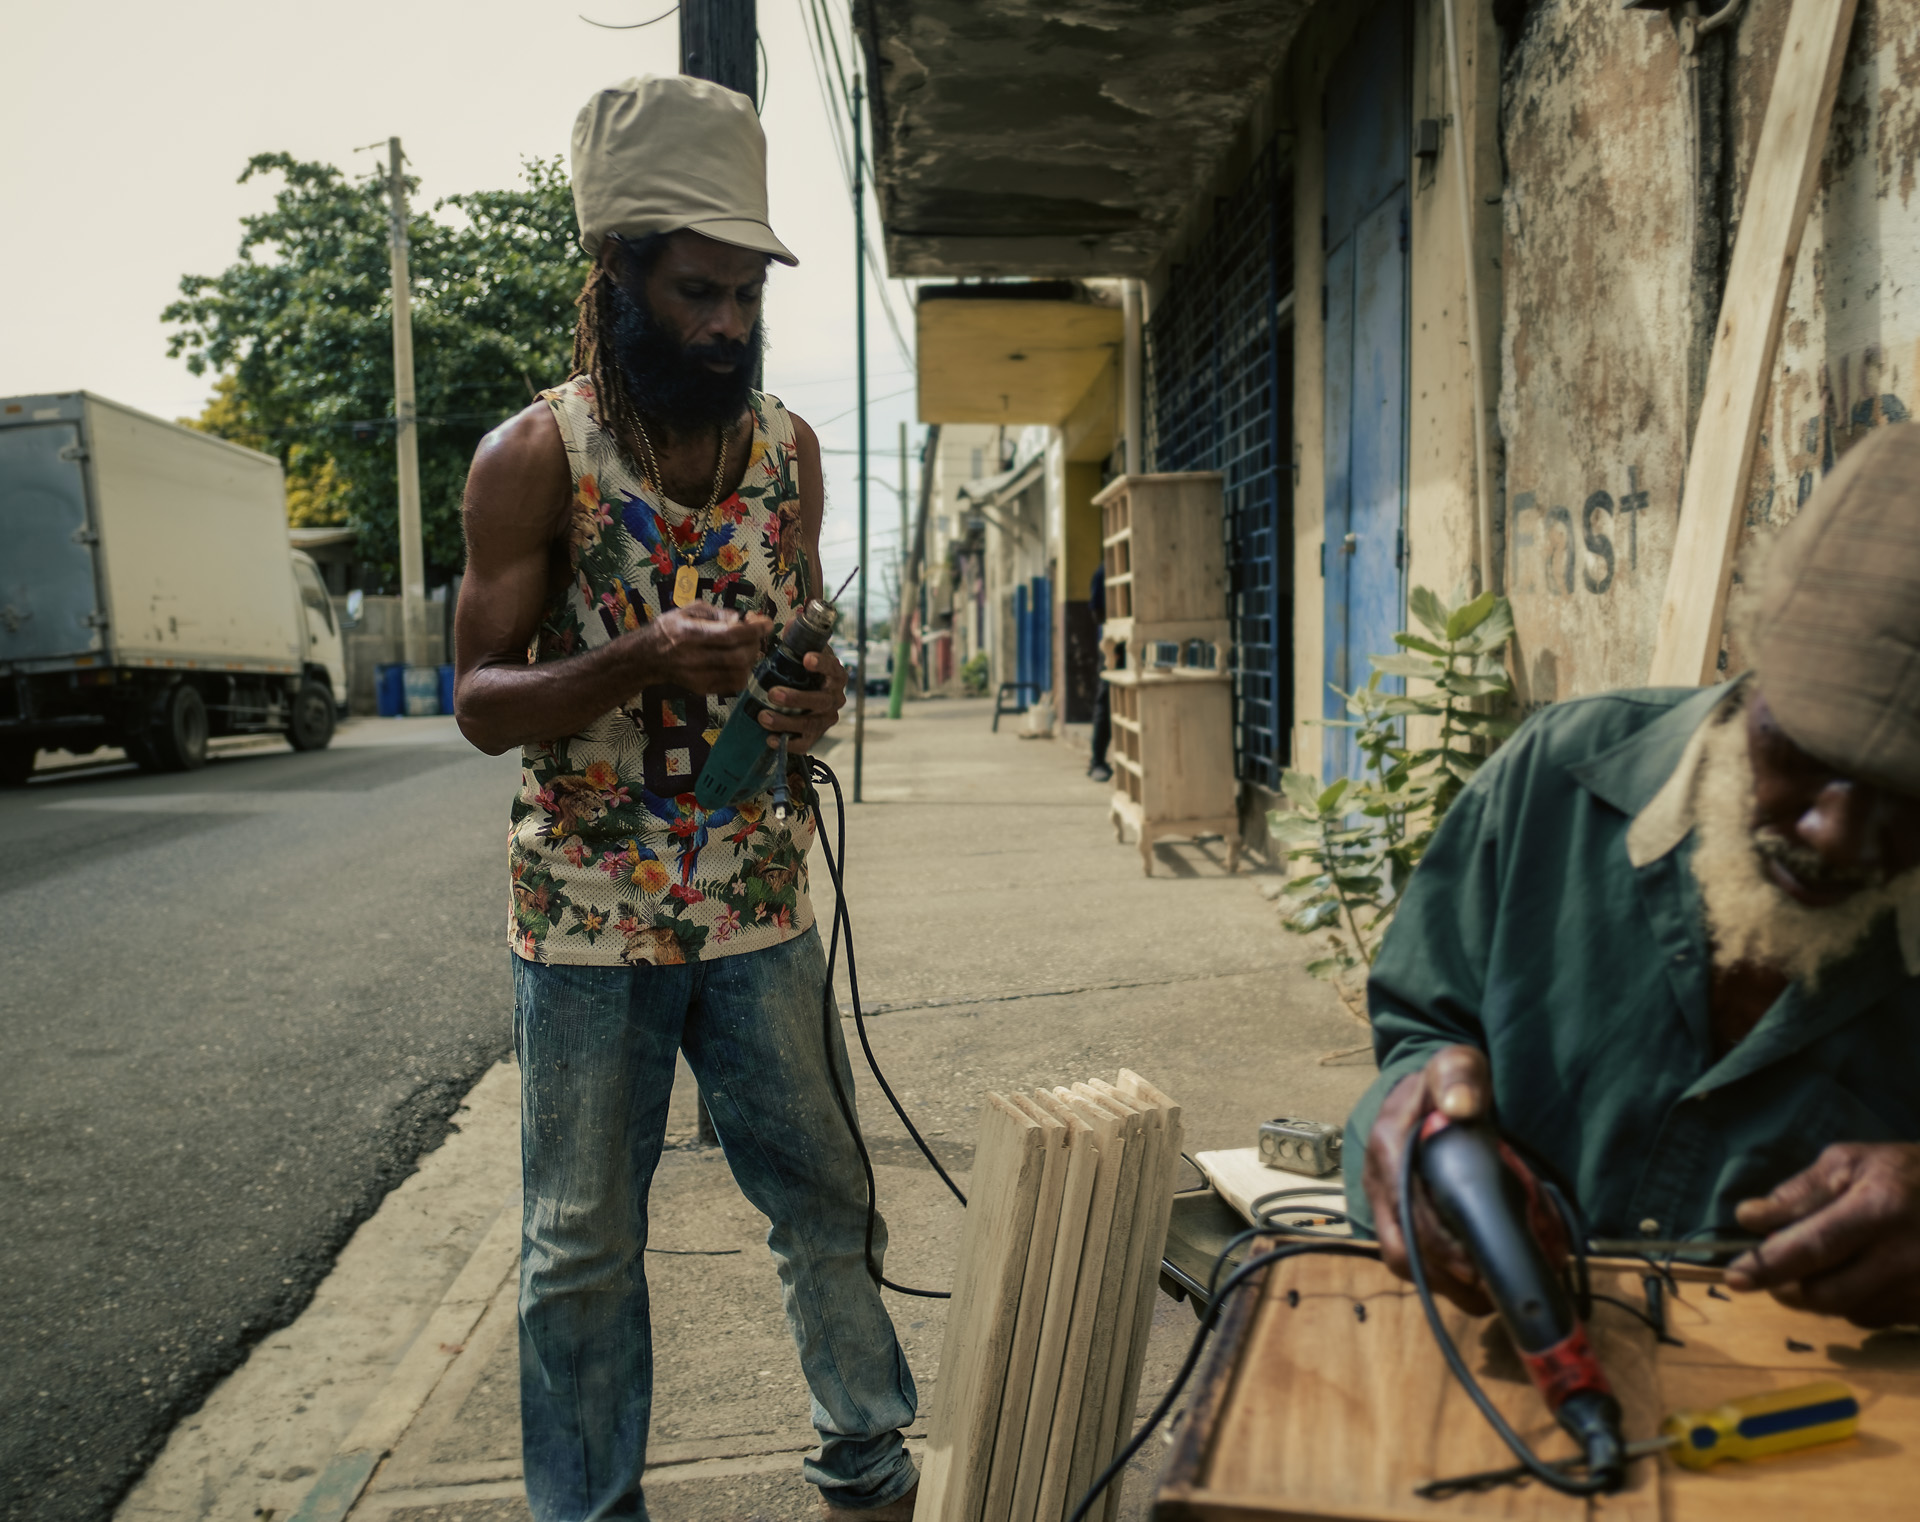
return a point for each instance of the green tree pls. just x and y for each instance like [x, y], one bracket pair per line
[298, 333]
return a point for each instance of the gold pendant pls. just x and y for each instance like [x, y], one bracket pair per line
[686, 585]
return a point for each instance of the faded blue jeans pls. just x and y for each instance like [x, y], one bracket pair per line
[596, 1048]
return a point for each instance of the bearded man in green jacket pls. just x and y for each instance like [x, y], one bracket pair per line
[1670, 939]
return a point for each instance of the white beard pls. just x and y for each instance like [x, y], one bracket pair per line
[1750, 918]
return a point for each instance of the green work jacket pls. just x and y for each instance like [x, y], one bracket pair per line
[1528, 932]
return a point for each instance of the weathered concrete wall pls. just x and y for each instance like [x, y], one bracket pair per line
[1597, 327]
[1441, 496]
[1850, 345]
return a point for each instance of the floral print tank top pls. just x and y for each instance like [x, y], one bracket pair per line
[612, 861]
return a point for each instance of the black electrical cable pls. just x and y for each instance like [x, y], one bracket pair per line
[818, 771]
[1266, 1210]
[1539, 1469]
[1239, 1277]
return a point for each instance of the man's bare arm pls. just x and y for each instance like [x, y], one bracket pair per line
[518, 500]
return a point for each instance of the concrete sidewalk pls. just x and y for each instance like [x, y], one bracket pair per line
[1004, 940]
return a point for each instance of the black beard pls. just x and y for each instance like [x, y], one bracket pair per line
[670, 381]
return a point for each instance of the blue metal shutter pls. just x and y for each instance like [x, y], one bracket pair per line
[1220, 398]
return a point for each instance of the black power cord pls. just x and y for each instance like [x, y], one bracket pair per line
[817, 772]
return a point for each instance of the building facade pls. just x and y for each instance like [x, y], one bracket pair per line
[1432, 285]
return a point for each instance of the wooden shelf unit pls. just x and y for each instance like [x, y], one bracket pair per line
[1172, 750]
[1160, 536]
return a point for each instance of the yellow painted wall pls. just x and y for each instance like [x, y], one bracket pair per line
[1082, 547]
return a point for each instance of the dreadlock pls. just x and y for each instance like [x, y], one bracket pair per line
[594, 355]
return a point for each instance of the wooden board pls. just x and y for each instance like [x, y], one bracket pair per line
[1739, 1345]
[1114, 1423]
[1780, 186]
[1305, 1412]
[1057, 1472]
[1017, 1388]
[1009, 1166]
[1076, 1202]
[1157, 1197]
[1240, 1178]
[1087, 1439]
[1327, 1414]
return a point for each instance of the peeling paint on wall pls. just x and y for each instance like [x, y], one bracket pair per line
[1595, 328]
[1850, 344]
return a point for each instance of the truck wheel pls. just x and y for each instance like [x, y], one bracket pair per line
[312, 724]
[16, 762]
[178, 737]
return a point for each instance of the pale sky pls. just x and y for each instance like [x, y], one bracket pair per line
[127, 124]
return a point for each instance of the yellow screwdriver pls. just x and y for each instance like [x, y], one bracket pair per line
[1756, 1426]
[1752, 1427]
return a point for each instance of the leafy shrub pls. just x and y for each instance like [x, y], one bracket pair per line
[1364, 835]
[973, 675]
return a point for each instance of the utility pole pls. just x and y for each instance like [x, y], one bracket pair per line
[860, 369]
[406, 431]
[717, 40]
[897, 697]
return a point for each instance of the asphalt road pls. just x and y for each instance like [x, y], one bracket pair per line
[235, 1006]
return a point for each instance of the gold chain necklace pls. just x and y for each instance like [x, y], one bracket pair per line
[686, 580]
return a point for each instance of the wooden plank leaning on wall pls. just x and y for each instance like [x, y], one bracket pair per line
[1780, 186]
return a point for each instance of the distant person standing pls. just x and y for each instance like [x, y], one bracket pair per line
[1098, 768]
[634, 538]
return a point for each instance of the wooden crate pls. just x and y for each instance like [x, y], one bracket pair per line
[1324, 1397]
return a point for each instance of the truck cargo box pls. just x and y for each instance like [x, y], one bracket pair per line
[147, 585]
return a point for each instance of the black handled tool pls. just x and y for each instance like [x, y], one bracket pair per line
[1495, 1207]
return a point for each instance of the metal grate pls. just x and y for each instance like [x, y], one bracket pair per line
[1220, 374]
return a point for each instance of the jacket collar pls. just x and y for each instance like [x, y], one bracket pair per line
[1659, 759]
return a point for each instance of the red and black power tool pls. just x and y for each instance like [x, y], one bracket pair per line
[1497, 1210]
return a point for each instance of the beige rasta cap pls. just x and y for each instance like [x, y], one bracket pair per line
[1837, 626]
[665, 152]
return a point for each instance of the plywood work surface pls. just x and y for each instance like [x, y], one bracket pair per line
[1308, 1410]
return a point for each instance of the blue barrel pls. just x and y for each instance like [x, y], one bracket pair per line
[390, 689]
[446, 689]
[421, 691]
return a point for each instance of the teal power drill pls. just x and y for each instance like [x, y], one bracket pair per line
[741, 760]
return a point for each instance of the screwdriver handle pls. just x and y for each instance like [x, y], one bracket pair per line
[1755, 1426]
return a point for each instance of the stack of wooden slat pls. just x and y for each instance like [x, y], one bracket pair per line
[1059, 1265]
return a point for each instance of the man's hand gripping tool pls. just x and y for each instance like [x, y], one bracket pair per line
[1497, 1210]
[741, 761]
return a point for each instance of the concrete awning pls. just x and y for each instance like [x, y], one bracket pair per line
[1065, 139]
[998, 358]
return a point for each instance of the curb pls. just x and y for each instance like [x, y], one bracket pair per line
[418, 1373]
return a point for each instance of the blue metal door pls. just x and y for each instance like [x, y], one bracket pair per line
[47, 595]
[1022, 638]
[1366, 362]
[1042, 615]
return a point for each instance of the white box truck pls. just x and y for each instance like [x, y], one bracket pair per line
[148, 595]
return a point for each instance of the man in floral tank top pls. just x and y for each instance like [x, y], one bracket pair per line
[634, 539]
